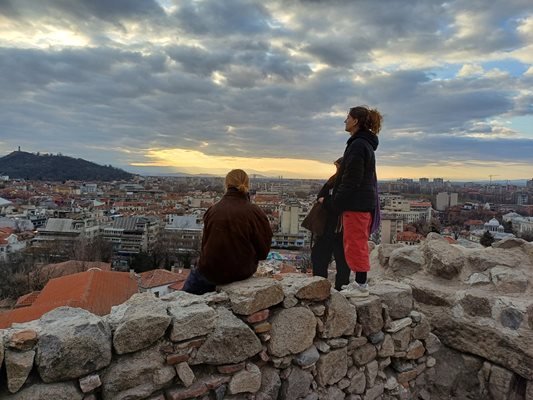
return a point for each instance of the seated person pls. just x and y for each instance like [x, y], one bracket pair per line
[236, 236]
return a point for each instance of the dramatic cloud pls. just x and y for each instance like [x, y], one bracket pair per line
[166, 86]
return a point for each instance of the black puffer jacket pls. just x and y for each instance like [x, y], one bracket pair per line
[354, 187]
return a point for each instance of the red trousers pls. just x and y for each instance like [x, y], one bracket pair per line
[356, 231]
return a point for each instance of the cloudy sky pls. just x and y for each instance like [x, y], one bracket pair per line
[204, 86]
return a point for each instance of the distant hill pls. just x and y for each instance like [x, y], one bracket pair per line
[48, 167]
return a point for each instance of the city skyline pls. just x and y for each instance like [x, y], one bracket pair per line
[159, 87]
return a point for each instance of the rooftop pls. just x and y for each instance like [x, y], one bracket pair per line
[160, 277]
[95, 291]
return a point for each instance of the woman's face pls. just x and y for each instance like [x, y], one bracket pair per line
[350, 124]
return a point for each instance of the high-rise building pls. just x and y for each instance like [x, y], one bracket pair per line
[445, 200]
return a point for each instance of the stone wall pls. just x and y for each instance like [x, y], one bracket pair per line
[480, 304]
[263, 338]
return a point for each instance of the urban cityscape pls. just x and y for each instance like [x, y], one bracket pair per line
[154, 223]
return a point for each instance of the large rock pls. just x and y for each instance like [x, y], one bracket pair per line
[482, 259]
[501, 382]
[142, 324]
[191, 321]
[397, 296]
[253, 294]
[293, 331]
[247, 380]
[270, 383]
[302, 287]
[426, 291]
[442, 259]
[137, 375]
[385, 252]
[231, 342]
[72, 343]
[509, 280]
[341, 316]
[307, 357]
[514, 352]
[369, 314]
[55, 391]
[18, 367]
[477, 306]
[332, 367]
[406, 260]
[508, 243]
[297, 384]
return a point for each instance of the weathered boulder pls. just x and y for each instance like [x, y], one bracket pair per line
[508, 243]
[232, 341]
[312, 288]
[184, 299]
[253, 294]
[478, 278]
[357, 381]
[141, 325]
[287, 340]
[476, 305]
[247, 380]
[191, 321]
[307, 357]
[23, 340]
[482, 259]
[18, 367]
[442, 259]
[90, 382]
[137, 375]
[514, 352]
[428, 292]
[332, 367]
[501, 382]
[364, 354]
[72, 343]
[509, 280]
[397, 296]
[406, 260]
[185, 374]
[297, 384]
[369, 314]
[340, 318]
[270, 383]
[56, 391]
[385, 252]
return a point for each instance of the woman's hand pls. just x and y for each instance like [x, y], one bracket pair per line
[320, 200]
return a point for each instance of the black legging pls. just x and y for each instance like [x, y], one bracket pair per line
[326, 246]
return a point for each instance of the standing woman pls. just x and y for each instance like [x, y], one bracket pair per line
[236, 236]
[355, 193]
[330, 241]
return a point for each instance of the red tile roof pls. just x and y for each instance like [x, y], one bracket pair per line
[177, 285]
[94, 290]
[69, 267]
[7, 231]
[473, 222]
[160, 277]
[450, 239]
[407, 236]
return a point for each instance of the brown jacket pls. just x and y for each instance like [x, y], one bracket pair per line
[236, 236]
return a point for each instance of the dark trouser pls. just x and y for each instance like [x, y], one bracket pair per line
[196, 283]
[324, 248]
